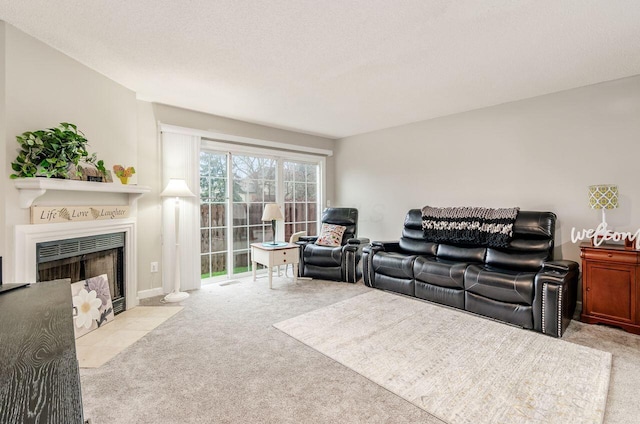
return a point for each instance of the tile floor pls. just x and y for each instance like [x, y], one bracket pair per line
[96, 348]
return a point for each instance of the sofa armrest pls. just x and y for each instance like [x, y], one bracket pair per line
[560, 266]
[368, 253]
[351, 256]
[306, 240]
[556, 290]
[387, 246]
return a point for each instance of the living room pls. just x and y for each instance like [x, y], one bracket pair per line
[500, 119]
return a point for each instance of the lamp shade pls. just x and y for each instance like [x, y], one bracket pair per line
[177, 188]
[603, 196]
[272, 213]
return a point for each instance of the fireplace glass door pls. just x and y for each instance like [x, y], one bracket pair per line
[86, 257]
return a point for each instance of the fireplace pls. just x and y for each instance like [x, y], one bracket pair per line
[28, 237]
[85, 257]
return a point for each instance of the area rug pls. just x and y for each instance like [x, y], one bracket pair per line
[459, 367]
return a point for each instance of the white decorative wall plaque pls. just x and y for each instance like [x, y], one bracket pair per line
[52, 214]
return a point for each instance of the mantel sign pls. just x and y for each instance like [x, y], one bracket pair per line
[53, 214]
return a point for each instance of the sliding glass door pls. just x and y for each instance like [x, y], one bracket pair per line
[254, 185]
[300, 198]
[235, 187]
[213, 214]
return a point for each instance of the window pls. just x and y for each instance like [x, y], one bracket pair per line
[300, 198]
[213, 214]
[235, 186]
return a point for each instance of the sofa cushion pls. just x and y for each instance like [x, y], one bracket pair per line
[323, 272]
[530, 224]
[412, 240]
[331, 235]
[443, 295]
[393, 264]
[521, 315]
[347, 217]
[516, 261]
[322, 255]
[439, 272]
[394, 284]
[459, 253]
[499, 284]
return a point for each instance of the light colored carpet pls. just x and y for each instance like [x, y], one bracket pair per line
[220, 360]
[458, 367]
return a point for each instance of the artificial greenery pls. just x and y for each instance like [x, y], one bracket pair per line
[49, 153]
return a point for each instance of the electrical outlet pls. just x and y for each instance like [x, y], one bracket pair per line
[154, 266]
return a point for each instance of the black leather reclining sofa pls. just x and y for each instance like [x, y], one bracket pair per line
[520, 284]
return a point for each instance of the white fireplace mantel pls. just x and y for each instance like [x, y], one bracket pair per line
[32, 188]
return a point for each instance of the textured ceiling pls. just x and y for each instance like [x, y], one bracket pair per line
[340, 67]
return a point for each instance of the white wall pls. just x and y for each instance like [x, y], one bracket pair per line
[44, 87]
[4, 171]
[538, 154]
[149, 206]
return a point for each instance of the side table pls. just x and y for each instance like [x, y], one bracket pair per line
[611, 286]
[275, 256]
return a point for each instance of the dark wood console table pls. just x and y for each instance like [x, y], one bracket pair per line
[39, 375]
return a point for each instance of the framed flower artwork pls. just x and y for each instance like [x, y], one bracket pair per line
[92, 306]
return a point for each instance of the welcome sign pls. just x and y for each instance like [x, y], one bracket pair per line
[602, 234]
[53, 214]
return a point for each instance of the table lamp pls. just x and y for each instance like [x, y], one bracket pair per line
[272, 213]
[603, 196]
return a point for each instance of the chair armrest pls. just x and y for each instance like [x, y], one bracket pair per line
[304, 240]
[358, 241]
[352, 255]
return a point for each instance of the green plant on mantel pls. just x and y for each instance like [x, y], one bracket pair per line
[51, 152]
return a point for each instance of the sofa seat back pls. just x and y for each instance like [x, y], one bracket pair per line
[531, 245]
[413, 240]
[347, 217]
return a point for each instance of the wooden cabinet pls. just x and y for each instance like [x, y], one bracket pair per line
[611, 286]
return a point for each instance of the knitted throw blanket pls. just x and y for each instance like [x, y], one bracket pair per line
[467, 225]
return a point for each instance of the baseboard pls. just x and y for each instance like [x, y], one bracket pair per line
[143, 294]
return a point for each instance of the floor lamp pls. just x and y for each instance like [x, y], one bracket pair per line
[177, 188]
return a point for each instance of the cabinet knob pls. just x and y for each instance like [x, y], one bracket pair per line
[284, 260]
[610, 255]
[284, 253]
[588, 288]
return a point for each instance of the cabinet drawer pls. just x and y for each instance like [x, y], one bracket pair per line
[286, 256]
[620, 256]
